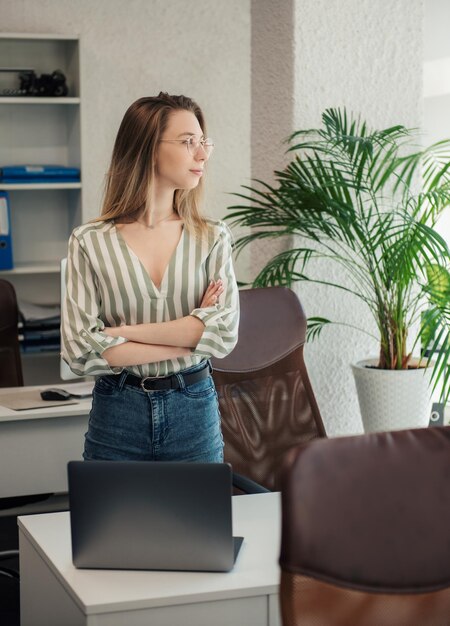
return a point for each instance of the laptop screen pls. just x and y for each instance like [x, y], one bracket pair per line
[151, 515]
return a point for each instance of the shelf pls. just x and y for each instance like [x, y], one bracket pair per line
[33, 268]
[43, 353]
[38, 36]
[26, 100]
[34, 186]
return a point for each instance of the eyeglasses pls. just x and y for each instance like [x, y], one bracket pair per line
[193, 144]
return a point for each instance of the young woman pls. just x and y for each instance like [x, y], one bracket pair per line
[151, 293]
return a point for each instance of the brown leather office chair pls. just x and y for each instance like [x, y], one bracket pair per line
[365, 531]
[266, 400]
[10, 376]
[10, 363]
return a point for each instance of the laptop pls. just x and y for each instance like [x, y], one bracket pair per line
[152, 515]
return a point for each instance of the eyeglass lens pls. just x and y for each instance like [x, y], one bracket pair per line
[194, 144]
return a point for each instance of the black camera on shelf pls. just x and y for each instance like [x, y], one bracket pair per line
[50, 85]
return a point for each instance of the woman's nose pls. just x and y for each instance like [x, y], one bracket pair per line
[200, 153]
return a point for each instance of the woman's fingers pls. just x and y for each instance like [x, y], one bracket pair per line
[215, 293]
[213, 286]
[212, 293]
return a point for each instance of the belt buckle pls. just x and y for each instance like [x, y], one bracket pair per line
[142, 383]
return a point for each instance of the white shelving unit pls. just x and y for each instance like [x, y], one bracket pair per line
[36, 131]
[39, 186]
[59, 101]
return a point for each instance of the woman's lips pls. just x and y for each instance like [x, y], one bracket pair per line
[197, 172]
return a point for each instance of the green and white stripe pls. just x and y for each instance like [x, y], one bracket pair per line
[107, 285]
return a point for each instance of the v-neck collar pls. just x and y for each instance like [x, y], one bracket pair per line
[133, 254]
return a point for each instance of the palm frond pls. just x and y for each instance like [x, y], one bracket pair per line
[428, 206]
[438, 287]
[410, 248]
[439, 351]
[284, 268]
[315, 326]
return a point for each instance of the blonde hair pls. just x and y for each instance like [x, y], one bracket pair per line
[130, 175]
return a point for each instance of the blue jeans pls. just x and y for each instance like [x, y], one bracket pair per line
[128, 423]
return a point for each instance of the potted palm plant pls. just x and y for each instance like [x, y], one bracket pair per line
[367, 200]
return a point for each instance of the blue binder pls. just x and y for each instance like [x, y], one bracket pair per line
[6, 254]
[39, 173]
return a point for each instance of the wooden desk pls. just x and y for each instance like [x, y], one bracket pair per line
[36, 444]
[54, 593]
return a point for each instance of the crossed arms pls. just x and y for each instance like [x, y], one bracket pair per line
[149, 343]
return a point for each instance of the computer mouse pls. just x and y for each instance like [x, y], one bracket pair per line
[55, 394]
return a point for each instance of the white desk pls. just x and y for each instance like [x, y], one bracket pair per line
[54, 593]
[36, 444]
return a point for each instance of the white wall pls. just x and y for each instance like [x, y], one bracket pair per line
[436, 55]
[367, 56]
[140, 47]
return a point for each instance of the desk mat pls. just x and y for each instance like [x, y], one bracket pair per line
[23, 400]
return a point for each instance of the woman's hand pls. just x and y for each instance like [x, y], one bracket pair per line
[212, 293]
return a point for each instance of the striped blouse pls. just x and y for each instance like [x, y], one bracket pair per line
[107, 285]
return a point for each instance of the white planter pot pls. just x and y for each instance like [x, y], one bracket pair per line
[392, 399]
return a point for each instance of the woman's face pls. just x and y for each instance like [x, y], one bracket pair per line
[176, 167]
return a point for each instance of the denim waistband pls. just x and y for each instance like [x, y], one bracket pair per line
[186, 377]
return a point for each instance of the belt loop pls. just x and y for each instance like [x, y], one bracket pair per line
[180, 380]
[210, 367]
[122, 379]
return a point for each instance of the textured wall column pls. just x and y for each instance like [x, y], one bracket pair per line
[272, 91]
[272, 101]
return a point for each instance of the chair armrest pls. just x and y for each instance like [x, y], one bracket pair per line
[9, 572]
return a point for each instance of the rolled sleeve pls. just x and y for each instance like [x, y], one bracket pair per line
[222, 320]
[82, 338]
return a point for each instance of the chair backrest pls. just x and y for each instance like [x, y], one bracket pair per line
[365, 531]
[10, 361]
[265, 396]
